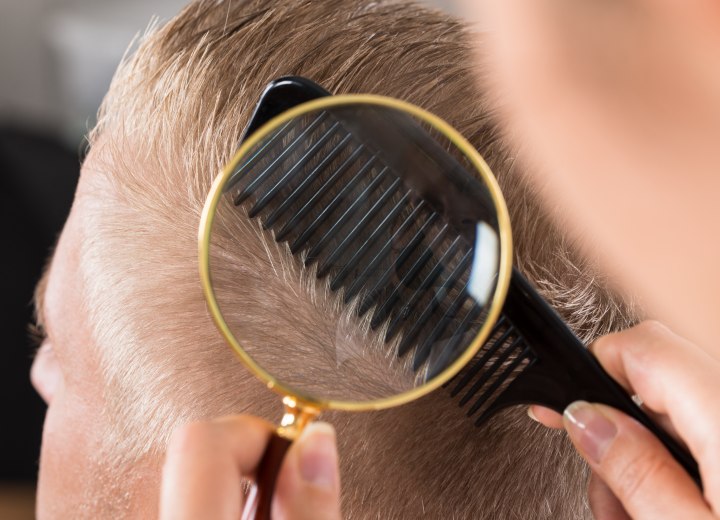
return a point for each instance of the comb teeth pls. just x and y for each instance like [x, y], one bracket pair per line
[378, 288]
[329, 196]
[308, 206]
[349, 213]
[287, 152]
[382, 311]
[327, 212]
[428, 282]
[263, 201]
[434, 304]
[373, 239]
[332, 258]
[307, 181]
[501, 360]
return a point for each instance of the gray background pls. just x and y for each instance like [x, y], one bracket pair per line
[57, 56]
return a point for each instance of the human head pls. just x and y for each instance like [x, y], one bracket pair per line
[616, 106]
[127, 318]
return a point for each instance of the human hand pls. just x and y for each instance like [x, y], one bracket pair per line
[207, 462]
[634, 476]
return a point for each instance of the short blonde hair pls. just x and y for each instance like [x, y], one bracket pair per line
[173, 116]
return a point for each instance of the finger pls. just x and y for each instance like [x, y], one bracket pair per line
[674, 377]
[634, 464]
[603, 503]
[666, 424]
[206, 464]
[614, 367]
[545, 416]
[308, 486]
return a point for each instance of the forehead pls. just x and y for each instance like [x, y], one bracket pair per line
[62, 285]
[61, 290]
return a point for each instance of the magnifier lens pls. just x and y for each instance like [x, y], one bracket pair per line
[389, 224]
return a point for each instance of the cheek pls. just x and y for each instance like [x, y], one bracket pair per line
[66, 459]
[80, 476]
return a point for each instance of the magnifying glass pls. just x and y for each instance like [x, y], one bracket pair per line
[396, 230]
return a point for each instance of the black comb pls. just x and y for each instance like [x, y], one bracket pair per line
[405, 264]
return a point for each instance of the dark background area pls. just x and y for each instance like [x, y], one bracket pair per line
[38, 174]
[56, 61]
[37, 180]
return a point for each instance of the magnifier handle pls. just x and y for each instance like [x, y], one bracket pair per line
[259, 501]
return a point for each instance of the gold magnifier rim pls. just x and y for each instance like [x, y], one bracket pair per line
[504, 265]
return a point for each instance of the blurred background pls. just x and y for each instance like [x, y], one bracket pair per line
[57, 58]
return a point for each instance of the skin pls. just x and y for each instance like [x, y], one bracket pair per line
[207, 462]
[616, 107]
[74, 480]
[633, 474]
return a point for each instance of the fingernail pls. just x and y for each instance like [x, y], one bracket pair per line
[318, 455]
[531, 414]
[592, 431]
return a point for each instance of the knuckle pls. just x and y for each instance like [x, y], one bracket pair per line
[653, 325]
[191, 434]
[652, 328]
[603, 343]
[638, 474]
[653, 346]
[609, 346]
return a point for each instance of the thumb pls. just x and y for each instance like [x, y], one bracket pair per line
[636, 467]
[308, 486]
